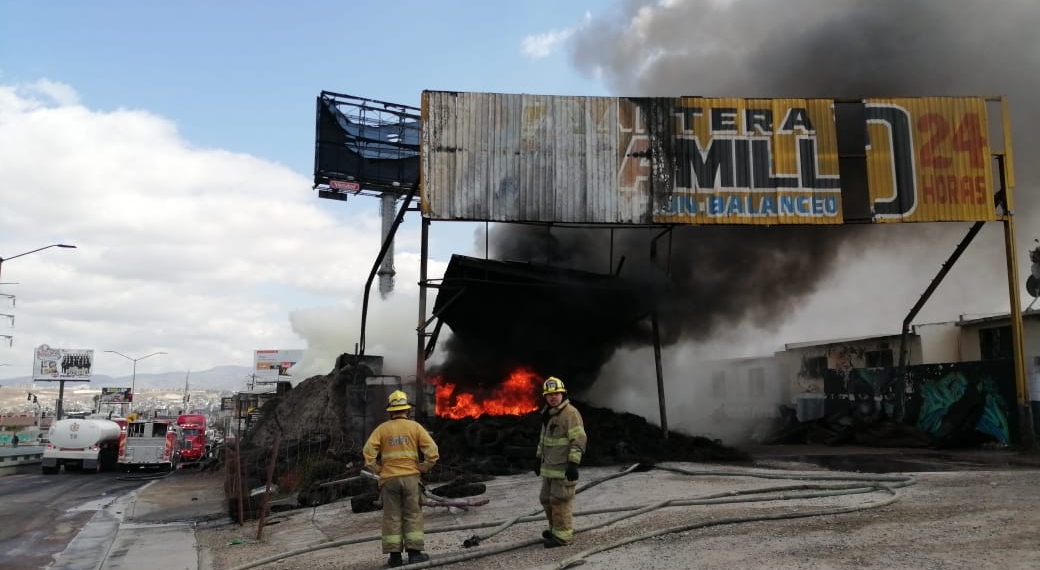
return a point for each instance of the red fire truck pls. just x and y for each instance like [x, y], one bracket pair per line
[192, 444]
[149, 444]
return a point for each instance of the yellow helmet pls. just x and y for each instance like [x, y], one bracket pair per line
[397, 402]
[553, 385]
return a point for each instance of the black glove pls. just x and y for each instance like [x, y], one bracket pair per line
[538, 467]
[572, 471]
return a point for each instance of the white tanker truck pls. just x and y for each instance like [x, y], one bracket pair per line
[82, 444]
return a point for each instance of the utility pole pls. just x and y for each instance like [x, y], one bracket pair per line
[187, 396]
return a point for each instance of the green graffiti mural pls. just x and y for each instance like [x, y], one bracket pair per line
[955, 391]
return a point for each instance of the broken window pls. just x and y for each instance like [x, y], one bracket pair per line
[815, 366]
[995, 343]
[878, 358]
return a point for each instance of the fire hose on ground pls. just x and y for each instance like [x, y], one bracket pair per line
[432, 500]
[841, 484]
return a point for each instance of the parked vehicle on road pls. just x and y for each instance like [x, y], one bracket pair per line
[149, 444]
[192, 444]
[82, 444]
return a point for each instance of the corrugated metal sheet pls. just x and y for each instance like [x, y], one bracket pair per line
[750, 161]
[537, 158]
[606, 160]
[928, 160]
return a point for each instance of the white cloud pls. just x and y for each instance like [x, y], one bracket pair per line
[41, 93]
[537, 46]
[57, 92]
[202, 253]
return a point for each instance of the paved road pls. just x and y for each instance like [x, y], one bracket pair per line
[42, 514]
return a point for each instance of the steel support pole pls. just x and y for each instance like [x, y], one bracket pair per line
[420, 331]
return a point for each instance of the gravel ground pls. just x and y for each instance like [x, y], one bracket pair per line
[975, 519]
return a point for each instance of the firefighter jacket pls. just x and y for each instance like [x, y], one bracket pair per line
[394, 446]
[562, 440]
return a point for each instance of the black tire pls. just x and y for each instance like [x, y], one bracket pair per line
[360, 486]
[364, 503]
[458, 490]
[479, 437]
[520, 451]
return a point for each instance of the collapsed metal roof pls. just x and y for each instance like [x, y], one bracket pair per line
[558, 321]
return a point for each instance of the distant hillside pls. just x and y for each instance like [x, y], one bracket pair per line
[230, 378]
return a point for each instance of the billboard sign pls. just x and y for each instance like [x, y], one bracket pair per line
[275, 365]
[928, 159]
[115, 396]
[701, 160]
[66, 364]
[744, 161]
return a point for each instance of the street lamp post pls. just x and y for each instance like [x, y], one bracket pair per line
[65, 245]
[61, 383]
[133, 377]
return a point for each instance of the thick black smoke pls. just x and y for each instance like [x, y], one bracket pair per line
[726, 275]
[703, 276]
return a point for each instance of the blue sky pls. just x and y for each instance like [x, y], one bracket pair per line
[173, 144]
[243, 75]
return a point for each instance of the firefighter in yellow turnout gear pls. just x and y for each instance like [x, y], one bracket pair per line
[560, 448]
[392, 452]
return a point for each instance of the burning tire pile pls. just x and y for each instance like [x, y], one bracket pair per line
[309, 441]
[505, 445]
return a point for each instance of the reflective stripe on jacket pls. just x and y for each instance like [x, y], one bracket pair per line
[562, 440]
[393, 449]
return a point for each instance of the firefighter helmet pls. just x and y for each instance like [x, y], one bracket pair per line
[553, 385]
[397, 402]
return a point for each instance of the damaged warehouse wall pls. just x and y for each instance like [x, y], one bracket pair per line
[948, 405]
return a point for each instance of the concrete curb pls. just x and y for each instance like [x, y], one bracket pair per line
[109, 543]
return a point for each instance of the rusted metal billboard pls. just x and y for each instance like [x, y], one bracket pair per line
[692, 160]
[928, 160]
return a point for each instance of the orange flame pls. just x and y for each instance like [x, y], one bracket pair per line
[516, 396]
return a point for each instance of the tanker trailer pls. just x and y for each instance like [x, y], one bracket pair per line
[82, 445]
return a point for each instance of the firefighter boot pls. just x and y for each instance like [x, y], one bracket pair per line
[395, 560]
[553, 542]
[417, 556]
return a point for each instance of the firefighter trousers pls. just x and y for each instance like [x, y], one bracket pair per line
[557, 498]
[402, 514]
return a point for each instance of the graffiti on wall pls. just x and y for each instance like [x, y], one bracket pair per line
[815, 365]
[963, 403]
[868, 394]
[948, 405]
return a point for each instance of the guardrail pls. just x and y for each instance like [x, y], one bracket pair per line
[11, 458]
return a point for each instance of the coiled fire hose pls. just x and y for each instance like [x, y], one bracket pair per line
[841, 484]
